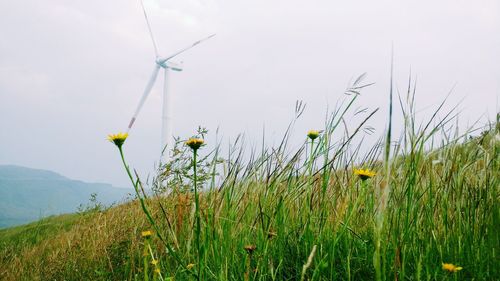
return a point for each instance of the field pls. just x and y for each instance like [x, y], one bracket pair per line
[332, 209]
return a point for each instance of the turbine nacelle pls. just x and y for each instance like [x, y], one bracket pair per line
[165, 63]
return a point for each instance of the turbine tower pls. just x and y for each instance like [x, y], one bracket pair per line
[166, 64]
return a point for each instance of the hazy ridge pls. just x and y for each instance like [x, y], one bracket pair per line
[28, 194]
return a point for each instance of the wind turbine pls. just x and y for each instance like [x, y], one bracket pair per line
[166, 64]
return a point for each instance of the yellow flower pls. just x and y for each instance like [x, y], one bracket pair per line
[451, 267]
[157, 270]
[364, 174]
[194, 143]
[189, 266]
[146, 233]
[313, 134]
[154, 262]
[118, 139]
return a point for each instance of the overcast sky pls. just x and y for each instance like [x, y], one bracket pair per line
[73, 71]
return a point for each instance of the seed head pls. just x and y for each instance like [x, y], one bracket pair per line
[250, 248]
[271, 234]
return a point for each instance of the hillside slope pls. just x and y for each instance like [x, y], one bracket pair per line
[94, 245]
[29, 194]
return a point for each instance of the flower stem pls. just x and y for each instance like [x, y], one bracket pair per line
[197, 215]
[136, 183]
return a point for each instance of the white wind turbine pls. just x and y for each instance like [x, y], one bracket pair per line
[166, 64]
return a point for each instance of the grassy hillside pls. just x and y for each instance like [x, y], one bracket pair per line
[96, 245]
[29, 235]
[29, 194]
[284, 214]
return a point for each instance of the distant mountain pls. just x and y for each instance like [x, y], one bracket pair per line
[29, 194]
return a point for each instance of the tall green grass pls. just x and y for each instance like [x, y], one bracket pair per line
[283, 214]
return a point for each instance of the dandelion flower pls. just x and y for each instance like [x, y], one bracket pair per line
[451, 267]
[194, 143]
[313, 134]
[250, 248]
[118, 139]
[146, 233]
[154, 262]
[189, 266]
[364, 174]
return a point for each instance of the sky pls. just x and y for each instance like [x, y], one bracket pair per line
[72, 72]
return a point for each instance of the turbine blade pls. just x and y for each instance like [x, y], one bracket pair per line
[147, 90]
[187, 48]
[149, 29]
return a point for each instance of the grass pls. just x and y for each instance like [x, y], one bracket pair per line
[28, 235]
[296, 214]
[93, 246]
